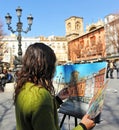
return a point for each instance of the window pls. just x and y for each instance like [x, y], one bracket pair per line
[93, 40]
[69, 26]
[77, 25]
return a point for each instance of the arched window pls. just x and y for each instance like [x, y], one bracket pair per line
[69, 26]
[77, 25]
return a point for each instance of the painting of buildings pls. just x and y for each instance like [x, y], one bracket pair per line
[82, 80]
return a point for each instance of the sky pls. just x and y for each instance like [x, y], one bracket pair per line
[64, 71]
[50, 15]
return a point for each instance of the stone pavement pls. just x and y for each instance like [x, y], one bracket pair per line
[7, 115]
[109, 118]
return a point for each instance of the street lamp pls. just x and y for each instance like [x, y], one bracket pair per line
[19, 30]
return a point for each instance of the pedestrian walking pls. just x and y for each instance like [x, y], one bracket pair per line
[117, 67]
[110, 69]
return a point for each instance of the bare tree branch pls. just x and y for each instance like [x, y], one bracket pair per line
[112, 33]
[1, 43]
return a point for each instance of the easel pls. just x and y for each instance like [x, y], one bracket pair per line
[75, 115]
[72, 108]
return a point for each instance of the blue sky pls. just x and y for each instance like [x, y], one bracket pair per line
[64, 72]
[50, 15]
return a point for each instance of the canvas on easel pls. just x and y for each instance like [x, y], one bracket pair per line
[83, 81]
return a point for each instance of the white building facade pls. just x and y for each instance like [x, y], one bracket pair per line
[58, 44]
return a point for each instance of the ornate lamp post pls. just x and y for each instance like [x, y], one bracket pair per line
[19, 30]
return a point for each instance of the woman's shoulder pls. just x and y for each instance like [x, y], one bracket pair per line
[35, 93]
[31, 97]
[32, 88]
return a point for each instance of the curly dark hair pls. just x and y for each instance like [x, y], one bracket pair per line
[38, 67]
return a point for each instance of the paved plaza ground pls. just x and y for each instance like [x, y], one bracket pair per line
[109, 118]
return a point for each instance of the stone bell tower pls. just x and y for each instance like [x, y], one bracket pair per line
[74, 27]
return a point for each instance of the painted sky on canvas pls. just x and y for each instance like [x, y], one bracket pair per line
[63, 72]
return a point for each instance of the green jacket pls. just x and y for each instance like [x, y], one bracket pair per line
[36, 110]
